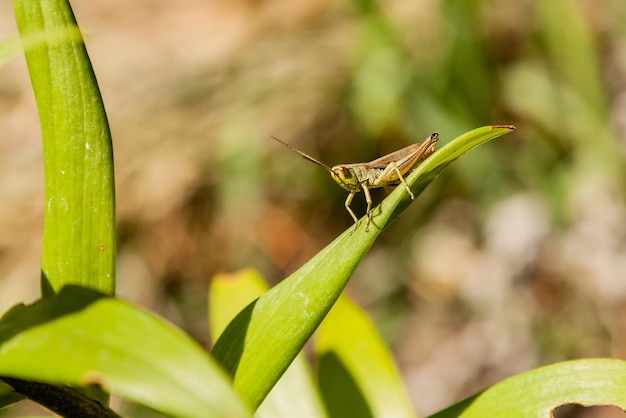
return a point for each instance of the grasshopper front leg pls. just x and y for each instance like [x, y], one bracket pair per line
[368, 199]
[347, 204]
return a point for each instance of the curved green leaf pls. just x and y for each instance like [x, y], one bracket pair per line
[538, 392]
[260, 343]
[80, 337]
[79, 224]
[357, 373]
[229, 294]
[295, 394]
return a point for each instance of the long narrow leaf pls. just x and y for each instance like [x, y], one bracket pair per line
[356, 371]
[80, 337]
[260, 343]
[79, 225]
[538, 392]
[295, 394]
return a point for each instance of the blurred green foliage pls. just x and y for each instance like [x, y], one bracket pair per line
[556, 70]
[515, 252]
[531, 223]
[353, 83]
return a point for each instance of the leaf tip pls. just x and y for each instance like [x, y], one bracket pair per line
[509, 127]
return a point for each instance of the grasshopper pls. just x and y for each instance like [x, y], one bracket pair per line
[387, 170]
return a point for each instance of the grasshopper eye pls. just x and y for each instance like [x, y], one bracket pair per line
[344, 172]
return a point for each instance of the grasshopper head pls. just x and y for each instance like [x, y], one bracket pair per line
[346, 178]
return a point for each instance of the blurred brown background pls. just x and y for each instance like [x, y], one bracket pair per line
[513, 258]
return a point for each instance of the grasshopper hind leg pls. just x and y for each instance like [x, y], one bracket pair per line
[401, 178]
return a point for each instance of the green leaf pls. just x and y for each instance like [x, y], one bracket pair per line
[80, 337]
[538, 392]
[229, 294]
[79, 224]
[357, 373]
[295, 394]
[260, 343]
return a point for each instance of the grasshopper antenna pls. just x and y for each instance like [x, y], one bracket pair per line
[305, 156]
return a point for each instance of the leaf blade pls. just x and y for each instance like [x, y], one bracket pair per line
[536, 393]
[356, 369]
[79, 223]
[260, 343]
[80, 337]
[295, 394]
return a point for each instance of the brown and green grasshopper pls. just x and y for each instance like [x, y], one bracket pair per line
[387, 170]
